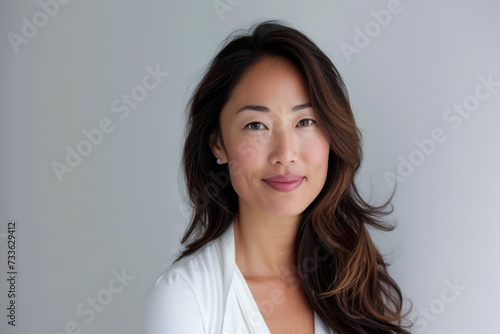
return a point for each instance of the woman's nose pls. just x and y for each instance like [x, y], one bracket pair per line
[284, 146]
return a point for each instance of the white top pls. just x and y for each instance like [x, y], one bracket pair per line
[205, 293]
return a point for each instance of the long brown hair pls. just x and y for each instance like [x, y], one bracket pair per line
[348, 286]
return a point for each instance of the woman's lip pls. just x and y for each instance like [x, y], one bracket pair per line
[284, 178]
[285, 186]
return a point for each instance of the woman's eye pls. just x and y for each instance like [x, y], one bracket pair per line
[253, 123]
[308, 119]
[251, 127]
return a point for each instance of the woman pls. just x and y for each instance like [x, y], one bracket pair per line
[278, 240]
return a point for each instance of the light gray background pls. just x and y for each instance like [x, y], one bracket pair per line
[122, 207]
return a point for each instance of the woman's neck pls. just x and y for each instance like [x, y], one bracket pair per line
[264, 246]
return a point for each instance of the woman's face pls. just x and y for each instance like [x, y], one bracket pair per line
[269, 128]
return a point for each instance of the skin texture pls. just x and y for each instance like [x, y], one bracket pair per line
[280, 141]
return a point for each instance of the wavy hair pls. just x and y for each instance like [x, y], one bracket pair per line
[349, 286]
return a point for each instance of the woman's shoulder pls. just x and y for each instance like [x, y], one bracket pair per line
[202, 263]
[186, 291]
[192, 269]
[172, 306]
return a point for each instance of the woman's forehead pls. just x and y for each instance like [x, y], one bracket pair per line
[270, 79]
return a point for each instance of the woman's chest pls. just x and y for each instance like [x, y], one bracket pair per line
[284, 307]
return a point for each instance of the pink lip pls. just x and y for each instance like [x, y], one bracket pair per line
[285, 183]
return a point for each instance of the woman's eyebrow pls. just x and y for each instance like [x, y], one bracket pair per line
[266, 109]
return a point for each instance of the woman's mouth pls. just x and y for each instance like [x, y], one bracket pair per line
[285, 183]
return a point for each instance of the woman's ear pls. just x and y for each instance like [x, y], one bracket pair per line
[216, 147]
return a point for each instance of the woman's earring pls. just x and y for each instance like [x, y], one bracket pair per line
[219, 162]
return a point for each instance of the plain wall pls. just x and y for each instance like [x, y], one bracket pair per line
[121, 210]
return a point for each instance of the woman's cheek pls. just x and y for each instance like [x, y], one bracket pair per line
[247, 155]
[241, 167]
[318, 151]
[250, 147]
[242, 156]
[252, 144]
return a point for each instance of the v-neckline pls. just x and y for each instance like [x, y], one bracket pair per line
[255, 307]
